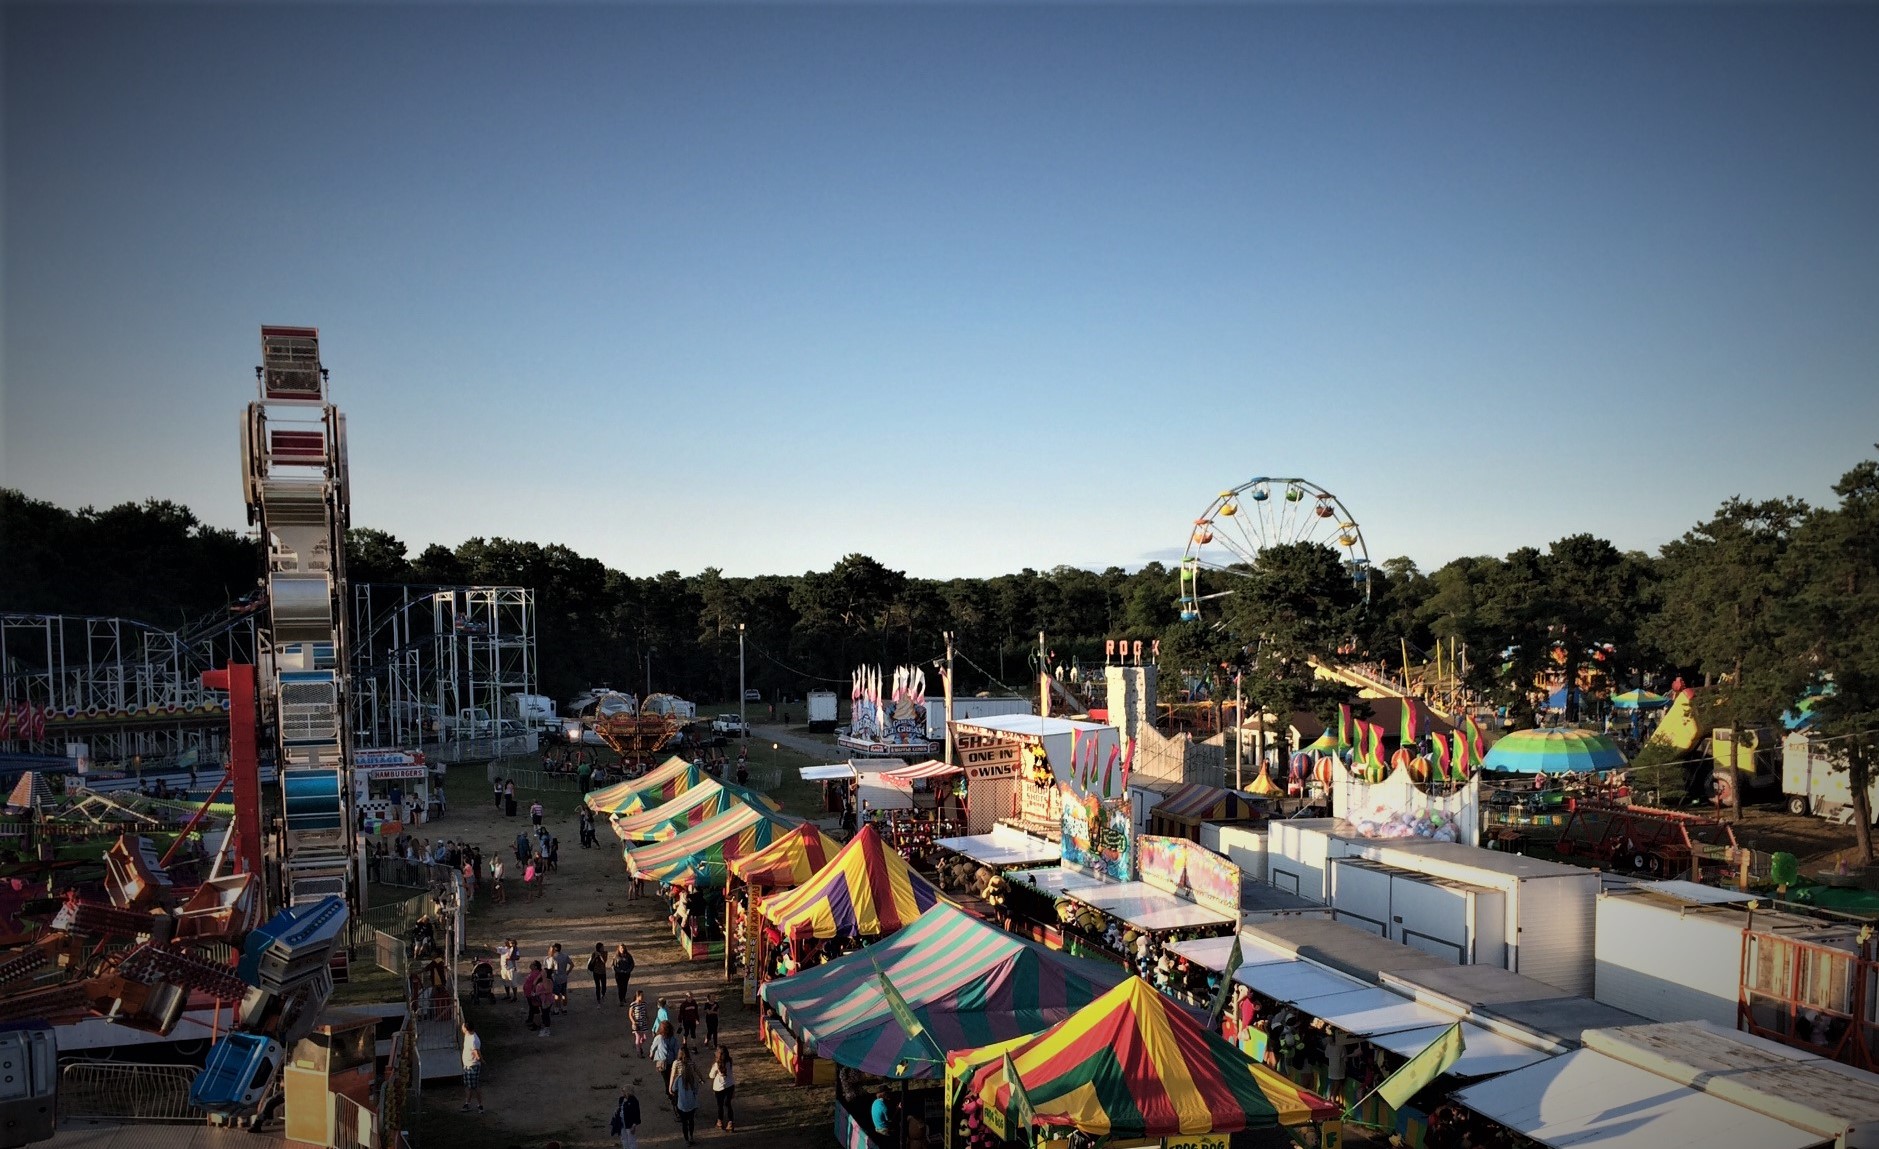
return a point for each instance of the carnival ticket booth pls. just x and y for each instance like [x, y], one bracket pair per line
[1003, 754]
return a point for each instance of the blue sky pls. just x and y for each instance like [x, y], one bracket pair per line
[965, 288]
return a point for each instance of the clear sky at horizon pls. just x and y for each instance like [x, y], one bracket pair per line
[965, 288]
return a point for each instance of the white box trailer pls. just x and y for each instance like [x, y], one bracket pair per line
[822, 710]
[968, 708]
[1549, 914]
[1298, 852]
[1672, 951]
[1814, 779]
[1457, 921]
[1244, 846]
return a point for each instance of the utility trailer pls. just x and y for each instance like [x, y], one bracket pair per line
[1644, 838]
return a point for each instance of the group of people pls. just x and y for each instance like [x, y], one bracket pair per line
[536, 854]
[666, 1036]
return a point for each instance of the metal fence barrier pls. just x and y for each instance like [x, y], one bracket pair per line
[540, 780]
[110, 1091]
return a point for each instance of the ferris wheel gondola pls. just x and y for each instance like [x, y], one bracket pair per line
[1225, 540]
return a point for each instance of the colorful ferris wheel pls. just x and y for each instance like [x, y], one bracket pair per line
[1225, 541]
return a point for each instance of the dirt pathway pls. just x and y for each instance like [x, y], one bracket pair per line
[801, 743]
[564, 1087]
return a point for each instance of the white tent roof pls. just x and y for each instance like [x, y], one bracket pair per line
[1030, 724]
[833, 770]
[1145, 907]
[1004, 847]
[1484, 1053]
[1370, 1011]
[1292, 979]
[1056, 881]
[1585, 1100]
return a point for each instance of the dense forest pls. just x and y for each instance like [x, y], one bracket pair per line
[1765, 597]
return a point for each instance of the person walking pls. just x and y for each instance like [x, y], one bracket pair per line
[688, 1017]
[472, 1066]
[495, 882]
[535, 814]
[508, 798]
[622, 970]
[560, 965]
[665, 1047]
[626, 1118]
[539, 993]
[640, 1014]
[711, 1020]
[597, 965]
[662, 1016]
[723, 1087]
[507, 954]
[498, 789]
[685, 1094]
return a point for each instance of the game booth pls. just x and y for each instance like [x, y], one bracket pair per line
[1183, 892]
[693, 867]
[866, 892]
[1181, 813]
[1004, 754]
[959, 980]
[1132, 1069]
[784, 864]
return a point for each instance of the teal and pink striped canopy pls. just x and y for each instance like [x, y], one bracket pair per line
[967, 982]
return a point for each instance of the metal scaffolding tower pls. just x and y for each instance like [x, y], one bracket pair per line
[423, 655]
[115, 689]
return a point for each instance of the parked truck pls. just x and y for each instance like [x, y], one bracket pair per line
[1815, 779]
[535, 711]
[822, 710]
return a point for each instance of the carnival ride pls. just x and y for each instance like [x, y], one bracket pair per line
[636, 730]
[1225, 541]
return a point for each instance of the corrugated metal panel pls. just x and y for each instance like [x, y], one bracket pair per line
[1552, 922]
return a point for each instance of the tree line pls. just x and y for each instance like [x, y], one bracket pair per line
[1764, 600]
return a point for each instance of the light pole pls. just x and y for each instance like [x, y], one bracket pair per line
[743, 721]
[648, 693]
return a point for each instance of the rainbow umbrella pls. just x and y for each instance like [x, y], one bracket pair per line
[1638, 700]
[1132, 1065]
[1553, 750]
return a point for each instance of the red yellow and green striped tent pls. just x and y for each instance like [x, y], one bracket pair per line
[660, 784]
[700, 856]
[1132, 1064]
[867, 890]
[787, 862]
[701, 803]
[964, 981]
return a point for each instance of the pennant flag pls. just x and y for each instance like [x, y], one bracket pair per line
[1018, 1113]
[1418, 1071]
[1343, 725]
[1411, 729]
[1477, 742]
[1218, 1008]
[1109, 769]
[1462, 756]
[1128, 760]
[903, 1013]
[1439, 746]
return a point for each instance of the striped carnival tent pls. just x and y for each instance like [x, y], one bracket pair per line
[789, 861]
[660, 784]
[967, 982]
[867, 890]
[701, 855]
[699, 804]
[1131, 1064]
[1180, 814]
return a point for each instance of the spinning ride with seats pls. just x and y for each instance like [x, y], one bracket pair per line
[636, 730]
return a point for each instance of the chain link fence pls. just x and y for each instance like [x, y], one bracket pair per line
[109, 1091]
